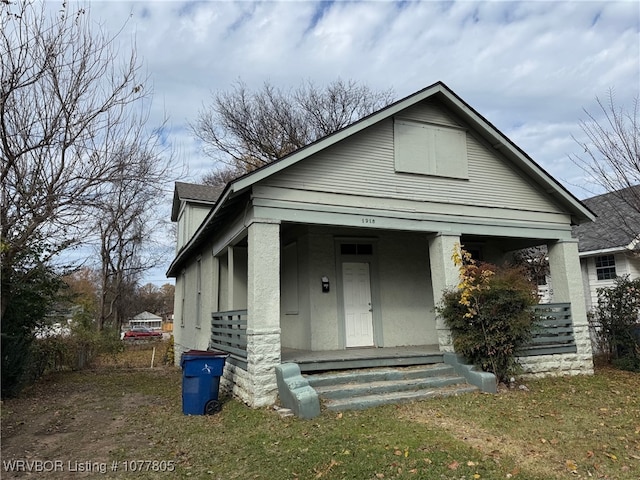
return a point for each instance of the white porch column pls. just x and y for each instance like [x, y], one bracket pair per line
[444, 275]
[566, 284]
[263, 311]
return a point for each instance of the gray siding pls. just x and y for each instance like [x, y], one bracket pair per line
[363, 165]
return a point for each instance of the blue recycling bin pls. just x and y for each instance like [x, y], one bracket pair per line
[201, 372]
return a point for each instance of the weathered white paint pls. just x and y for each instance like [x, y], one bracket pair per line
[444, 275]
[295, 326]
[263, 311]
[187, 334]
[323, 307]
[402, 295]
[190, 218]
[406, 293]
[358, 318]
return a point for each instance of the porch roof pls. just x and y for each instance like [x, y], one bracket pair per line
[580, 213]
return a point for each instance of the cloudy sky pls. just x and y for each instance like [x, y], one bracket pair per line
[529, 67]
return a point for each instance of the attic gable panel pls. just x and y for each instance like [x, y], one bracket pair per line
[364, 164]
[428, 149]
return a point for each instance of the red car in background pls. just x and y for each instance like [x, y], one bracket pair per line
[139, 333]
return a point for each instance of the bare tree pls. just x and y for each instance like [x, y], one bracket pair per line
[611, 160]
[154, 299]
[612, 147]
[126, 219]
[245, 130]
[64, 98]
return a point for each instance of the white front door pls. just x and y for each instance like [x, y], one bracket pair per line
[357, 305]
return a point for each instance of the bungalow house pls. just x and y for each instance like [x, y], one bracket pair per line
[609, 247]
[345, 245]
[146, 319]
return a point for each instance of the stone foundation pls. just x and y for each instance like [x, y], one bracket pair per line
[256, 386]
[579, 363]
[556, 365]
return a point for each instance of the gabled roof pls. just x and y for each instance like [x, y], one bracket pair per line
[195, 193]
[146, 316]
[234, 189]
[618, 224]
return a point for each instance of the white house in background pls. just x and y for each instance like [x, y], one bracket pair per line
[347, 243]
[146, 319]
[610, 246]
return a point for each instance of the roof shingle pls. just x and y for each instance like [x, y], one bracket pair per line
[618, 222]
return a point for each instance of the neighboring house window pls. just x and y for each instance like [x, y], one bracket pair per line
[198, 292]
[429, 149]
[606, 267]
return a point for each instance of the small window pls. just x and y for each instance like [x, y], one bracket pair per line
[183, 290]
[606, 267]
[198, 293]
[356, 249]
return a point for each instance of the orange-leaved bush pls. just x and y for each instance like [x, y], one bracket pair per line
[489, 313]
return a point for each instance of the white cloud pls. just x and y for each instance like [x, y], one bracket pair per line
[529, 67]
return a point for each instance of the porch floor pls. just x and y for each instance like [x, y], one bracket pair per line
[350, 358]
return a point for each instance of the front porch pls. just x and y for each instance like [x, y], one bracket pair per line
[290, 294]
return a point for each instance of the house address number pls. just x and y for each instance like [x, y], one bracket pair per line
[368, 220]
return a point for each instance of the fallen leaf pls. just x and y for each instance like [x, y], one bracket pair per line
[471, 464]
[571, 466]
[453, 465]
[397, 453]
[589, 454]
[476, 475]
[611, 456]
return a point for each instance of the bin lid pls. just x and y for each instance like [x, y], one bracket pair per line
[195, 354]
[204, 353]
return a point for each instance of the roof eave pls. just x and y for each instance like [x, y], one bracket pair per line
[229, 192]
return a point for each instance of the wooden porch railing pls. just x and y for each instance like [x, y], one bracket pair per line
[553, 332]
[229, 333]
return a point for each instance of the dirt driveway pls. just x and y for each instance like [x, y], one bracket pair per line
[75, 425]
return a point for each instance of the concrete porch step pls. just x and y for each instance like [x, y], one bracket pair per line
[368, 401]
[367, 375]
[364, 388]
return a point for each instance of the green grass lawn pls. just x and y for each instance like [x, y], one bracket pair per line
[571, 427]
